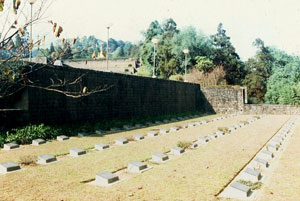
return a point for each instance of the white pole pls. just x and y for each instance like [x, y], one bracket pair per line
[30, 54]
[154, 63]
[107, 47]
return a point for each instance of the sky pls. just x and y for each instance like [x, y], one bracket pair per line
[276, 22]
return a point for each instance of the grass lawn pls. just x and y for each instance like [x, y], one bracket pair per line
[284, 183]
[197, 175]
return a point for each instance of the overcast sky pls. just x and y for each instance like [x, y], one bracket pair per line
[274, 21]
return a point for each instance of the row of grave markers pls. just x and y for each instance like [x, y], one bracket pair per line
[7, 167]
[107, 178]
[257, 168]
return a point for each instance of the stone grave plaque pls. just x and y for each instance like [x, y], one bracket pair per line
[38, 142]
[121, 141]
[106, 178]
[177, 150]
[101, 146]
[47, 158]
[136, 167]
[240, 189]
[159, 157]
[10, 146]
[7, 167]
[164, 131]
[152, 133]
[62, 138]
[139, 137]
[77, 152]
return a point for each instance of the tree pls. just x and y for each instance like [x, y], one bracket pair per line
[256, 87]
[204, 64]
[224, 55]
[153, 30]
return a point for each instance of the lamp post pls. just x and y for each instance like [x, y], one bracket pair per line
[185, 51]
[31, 5]
[107, 46]
[155, 42]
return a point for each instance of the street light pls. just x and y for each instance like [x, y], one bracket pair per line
[31, 5]
[107, 44]
[155, 42]
[185, 51]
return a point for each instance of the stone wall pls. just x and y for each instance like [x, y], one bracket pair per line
[129, 97]
[126, 66]
[271, 109]
[226, 99]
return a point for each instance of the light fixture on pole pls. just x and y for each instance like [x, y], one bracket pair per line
[185, 51]
[31, 5]
[107, 44]
[155, 42]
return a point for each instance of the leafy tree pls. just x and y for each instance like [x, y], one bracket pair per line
[224, 55]
[204, 64]
[153, 30]
[256, 87]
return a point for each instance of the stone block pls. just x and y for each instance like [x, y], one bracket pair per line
[267, 153]
[240, 190]
[204, 122]
[164, 131]
[213, 136]
[139, 125]
[139, 137]
[158, 122]
[101, 146]
[127, 127]
[100, 132]
[152, 133]
[7, 167]
[136, 167]
[10, 146]
[121, 141]
[159, 157]
[231, 128]
[166, 121]
[191, 124]
[115, 129]
[185, 125]
[44, 159]
[251, 175]
[77, 152]
[106, 178]
[272, 147]
[174, 129]
[261, 161]
[38, 142]
[177, 150]
[62, 138]
[83, 134]
[173, 119]
[194, 145]
[220, 133]
[203, 140]
[149, 123]
[197, 123]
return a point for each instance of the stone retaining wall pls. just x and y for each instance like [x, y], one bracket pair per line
[271, 109]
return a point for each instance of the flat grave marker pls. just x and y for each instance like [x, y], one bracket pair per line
[121, 141]
[38, 142]
[10, 146]
[240, 190]
[106, 179]
[164, 131]
[251, 175]
[137, 167]
[177, 151]
[152, 133]
[174, 129]
[45, 159]
[203, 140]
[159, 158]
[101, 146]
[139, 137]
[7, 167]
[62, 138]
[77, 152]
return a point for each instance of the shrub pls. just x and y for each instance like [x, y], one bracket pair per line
[28, 133]
[184, 144]
[2, 141]
[28, 160]
[223, 129]
[252, 185]
[176, 78]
